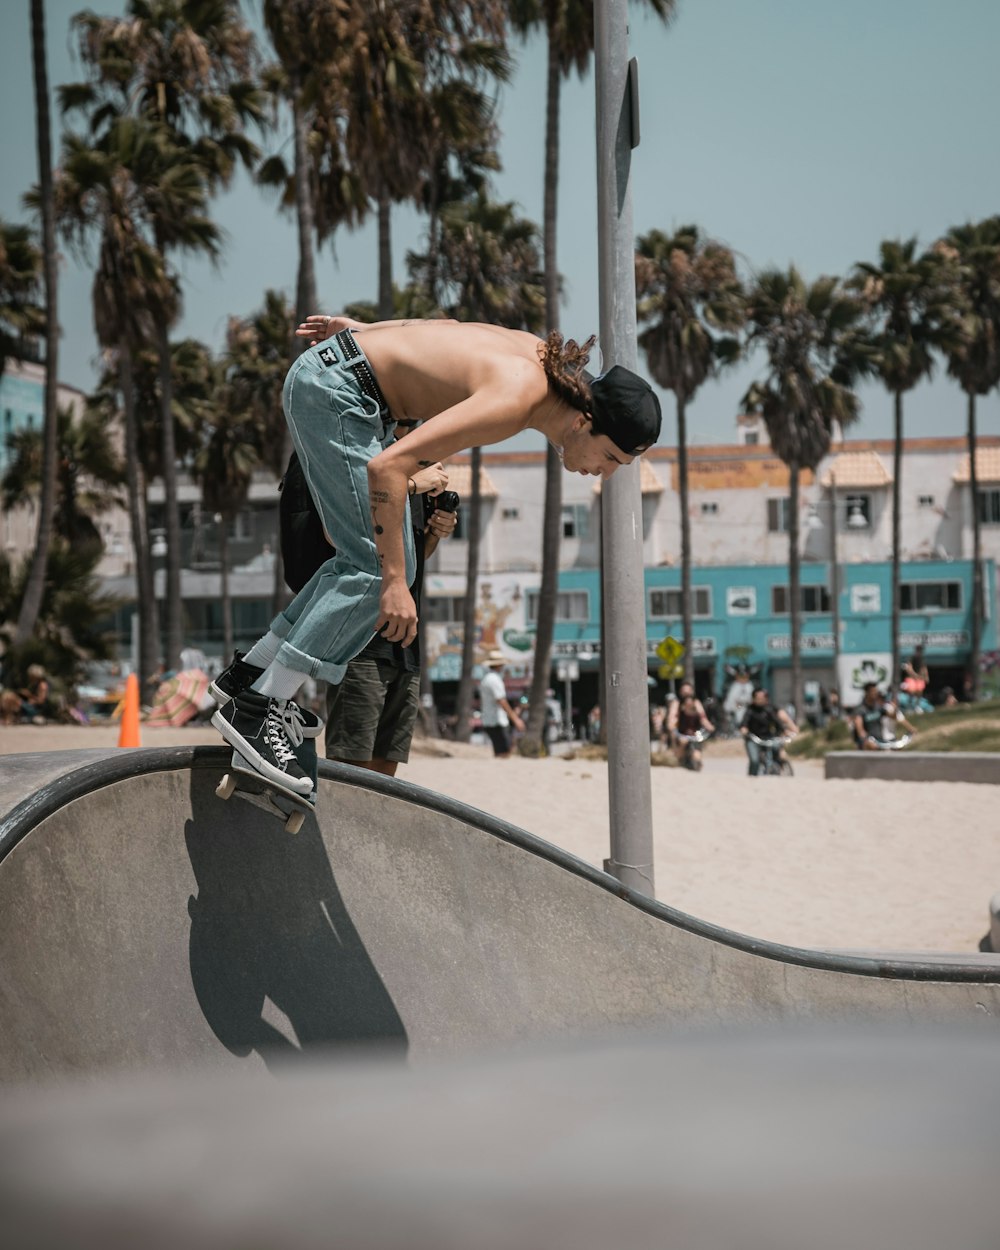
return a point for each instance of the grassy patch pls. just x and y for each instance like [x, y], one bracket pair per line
[967, 727]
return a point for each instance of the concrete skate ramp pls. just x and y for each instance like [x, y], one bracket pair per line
[146, 924]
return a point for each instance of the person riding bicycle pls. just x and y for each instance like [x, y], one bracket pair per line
[868, 721]
[673, 711]
[689, 720]
[763, 720]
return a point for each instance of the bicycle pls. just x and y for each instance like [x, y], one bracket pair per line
[891, 744]
[771, 764]
[691, 743]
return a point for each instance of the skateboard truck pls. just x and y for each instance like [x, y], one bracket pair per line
[247, 784]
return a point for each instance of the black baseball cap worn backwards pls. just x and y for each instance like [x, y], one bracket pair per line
[625, 408]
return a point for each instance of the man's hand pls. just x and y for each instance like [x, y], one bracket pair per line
[318, 327]
[430, 480]
[442, 524]
[397, 614]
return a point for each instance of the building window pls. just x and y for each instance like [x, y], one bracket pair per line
[930, 597]
[574, 520]
[443, 609]
[709, 509]
[241, 526]
[989, 507]
[511, 514]
[925, 501]
[813, 600]
[571, 605]
[751, 438]
[777, 515]
[667, 604]
[858, 510]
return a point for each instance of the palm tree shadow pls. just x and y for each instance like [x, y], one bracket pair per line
[269, 923]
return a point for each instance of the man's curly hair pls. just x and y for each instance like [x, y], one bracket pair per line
[563, 361]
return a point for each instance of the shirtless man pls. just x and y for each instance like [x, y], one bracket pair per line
[470, 385]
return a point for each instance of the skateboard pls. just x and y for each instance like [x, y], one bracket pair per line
[246, 783]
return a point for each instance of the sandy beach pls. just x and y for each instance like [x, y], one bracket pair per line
[893, 866]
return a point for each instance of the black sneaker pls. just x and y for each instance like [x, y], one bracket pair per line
[266, 732]
[240, 676]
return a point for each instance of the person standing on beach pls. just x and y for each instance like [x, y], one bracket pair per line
[470, 385]
[497, 713]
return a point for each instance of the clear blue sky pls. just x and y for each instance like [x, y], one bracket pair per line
[796, 131]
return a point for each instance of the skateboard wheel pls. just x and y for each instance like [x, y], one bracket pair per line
[226, 786]
[295, 822]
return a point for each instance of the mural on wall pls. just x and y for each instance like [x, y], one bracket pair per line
[500, 626]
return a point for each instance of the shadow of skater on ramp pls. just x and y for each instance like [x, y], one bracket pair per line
[269, 929]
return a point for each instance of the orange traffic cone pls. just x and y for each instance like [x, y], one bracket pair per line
[128, 736]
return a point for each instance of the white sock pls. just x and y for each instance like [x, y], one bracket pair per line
[265, 652]
[278, 682]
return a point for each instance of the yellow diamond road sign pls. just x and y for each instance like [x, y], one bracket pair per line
[670, 650]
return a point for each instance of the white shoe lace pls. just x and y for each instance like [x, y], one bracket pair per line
[294, 721]
[278, 734]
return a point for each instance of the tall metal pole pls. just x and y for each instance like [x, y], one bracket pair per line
[625, 702]
[835, 584]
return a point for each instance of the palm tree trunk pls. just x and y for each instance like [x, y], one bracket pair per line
[34, 591]
[145, 597]
[306, 298]
[463, 700]
[548, 591]
[897, 474]
[174, 625]
[976, 619]
[682, 485]
[385, 304]
[794, 584]
[227, 604]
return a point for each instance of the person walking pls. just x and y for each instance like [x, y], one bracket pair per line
[495, 708]
[469, 385]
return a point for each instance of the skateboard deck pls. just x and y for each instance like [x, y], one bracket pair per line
[245, 782]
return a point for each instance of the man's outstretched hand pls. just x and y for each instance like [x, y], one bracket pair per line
[318, 327]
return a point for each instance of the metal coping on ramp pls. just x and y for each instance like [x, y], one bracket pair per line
[62, 790]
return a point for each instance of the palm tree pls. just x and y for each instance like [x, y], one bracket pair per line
[105, 190]
[35, 587]
[224, 468]
[808, 334]
[569, 30]
[89, 474]
[971, 342]
[20, 271]
[907, 306]
[687, 289]
[188, 66]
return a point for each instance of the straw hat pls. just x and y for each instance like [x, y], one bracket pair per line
[496, 659]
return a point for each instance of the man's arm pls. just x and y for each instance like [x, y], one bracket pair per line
[899, 718]
[494, 412]
[318, 326]
[514, 715]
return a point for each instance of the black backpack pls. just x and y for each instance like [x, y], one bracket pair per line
[300, 531]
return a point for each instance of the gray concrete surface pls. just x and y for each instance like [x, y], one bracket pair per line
[790, 1139]
[982, 767]
[145, 924]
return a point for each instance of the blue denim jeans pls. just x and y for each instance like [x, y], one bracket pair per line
[336, 429]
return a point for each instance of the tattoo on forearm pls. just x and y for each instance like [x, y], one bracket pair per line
[377, 497]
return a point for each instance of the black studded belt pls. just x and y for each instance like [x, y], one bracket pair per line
[355, 358]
